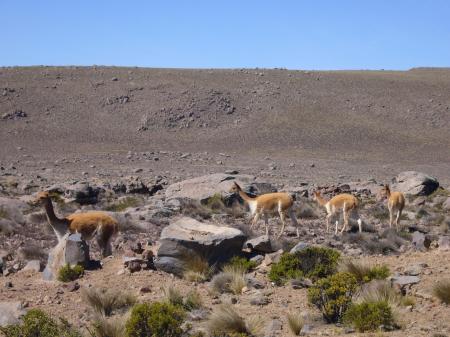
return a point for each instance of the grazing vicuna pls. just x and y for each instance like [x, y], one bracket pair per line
[266, 204]
[346, 203]
[89, 224]
[396, 203]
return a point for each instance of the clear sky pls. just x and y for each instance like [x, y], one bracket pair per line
[314, 34]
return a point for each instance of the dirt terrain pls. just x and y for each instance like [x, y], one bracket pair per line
[130, 133]
[358, 123]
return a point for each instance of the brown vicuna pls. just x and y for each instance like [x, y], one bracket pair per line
[346, 203]
[396, 203]
[89, 224]
[269, 203]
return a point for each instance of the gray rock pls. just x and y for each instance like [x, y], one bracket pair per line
[70, 250]
[402, 280]
[82, 193]
[260, 244]
[299, 246]
[446, 204]
[135, 185]
[415, 183]
[273, 328]
[204, 187]
[33, 265]
[258, 259]
[7, 226]
[420, 241]
[259, 299]
[11, 312]
[188, 237]
[444, 243]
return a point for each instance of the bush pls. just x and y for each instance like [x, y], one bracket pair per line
[155, 320]
[37, 323]
[312, 262]
[197, 268]
[442, 291]
[242, 263]
[365, 273]
[369, 316]
[103, 327]
[68, 273]
[333, 295]
[189, 302]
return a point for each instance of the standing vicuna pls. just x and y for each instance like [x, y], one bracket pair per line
[264, 204]
[89, 224]
[346, 203]
[396, 203]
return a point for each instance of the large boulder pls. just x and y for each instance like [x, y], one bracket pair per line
[135, 185]
[415, 183]
[204, 187]
[11, 312]
[70, 250]
[187, 238]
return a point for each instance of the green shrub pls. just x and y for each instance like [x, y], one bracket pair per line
[155, 320]
[68, 273]
[215, 203]
[313, 262]
[333, 295]
[37, 323]
[369, 316]
[242, 263]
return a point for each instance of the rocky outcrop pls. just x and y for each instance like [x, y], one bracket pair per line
[415, 183]
[187, 238]
[70, 250]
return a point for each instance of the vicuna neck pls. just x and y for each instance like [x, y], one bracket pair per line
[388, 192]
[321, 200]
[60, 226]
[245, 196]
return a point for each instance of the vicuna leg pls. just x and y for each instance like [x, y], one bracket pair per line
[345, 212]
[294, 220]
[103, 237]
[266, 221]
[283, 223]
[391, 216]
[328, 220]
[397, 219]
[255, 220]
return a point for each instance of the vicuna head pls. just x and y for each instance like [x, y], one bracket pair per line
[235, 188]
[41, 197]
[316, 195]
[384, 192]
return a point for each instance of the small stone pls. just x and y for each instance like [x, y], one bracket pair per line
[8, 284]
[145, 290]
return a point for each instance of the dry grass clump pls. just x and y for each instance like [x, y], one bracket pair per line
[197, 269]
[105, 302]
[194, 209]
[32, 252]
[295, 323]
[364, 272]
[191, 301]
[104, 327]
[382, 291]
[442, 291]
[225, 321]
[123, 204]
[231, 279]
[307, 209]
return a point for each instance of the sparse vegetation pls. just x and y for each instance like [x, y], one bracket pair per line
[189, 302]
[215, 203]
[312, 262]
[3, 213]
[226, 322]
[105, 302]
[197, 268]
[68, 273]
[382, 291]
[369, 316]
[295, 323]
[37, 323]
[194, 209]
[123, 204]
[155, 320]
[363, 272]
[442, 291]
[104, 327]
[231, 279]
[242, 263]
[333, 295]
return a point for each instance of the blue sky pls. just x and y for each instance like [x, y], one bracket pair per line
[314, 34]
